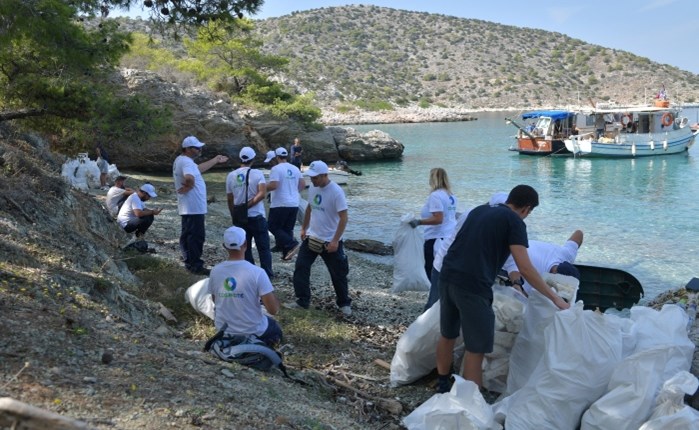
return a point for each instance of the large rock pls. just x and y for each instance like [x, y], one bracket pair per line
[373, 145]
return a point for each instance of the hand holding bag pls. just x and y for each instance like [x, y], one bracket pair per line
[316, 245]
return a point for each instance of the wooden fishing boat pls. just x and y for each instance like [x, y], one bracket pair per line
[631, 131]
[542, 132]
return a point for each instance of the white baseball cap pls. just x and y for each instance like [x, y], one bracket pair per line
[281, 152]
[149, 189]
[247, 154]
[270, 155]
[317, 168]
[192, 141]
[233, 238]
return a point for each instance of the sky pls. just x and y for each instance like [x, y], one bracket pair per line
[664, 31]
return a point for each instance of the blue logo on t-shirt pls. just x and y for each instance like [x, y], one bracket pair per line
[289, 173]
[317, 199]
[229, 284]
[240, 178]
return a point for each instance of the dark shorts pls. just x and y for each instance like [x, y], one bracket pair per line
[469, 313]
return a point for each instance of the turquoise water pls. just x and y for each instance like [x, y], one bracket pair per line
[641, 215]
[638, 215]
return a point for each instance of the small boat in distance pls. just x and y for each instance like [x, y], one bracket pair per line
[543, 132]
[631, 131]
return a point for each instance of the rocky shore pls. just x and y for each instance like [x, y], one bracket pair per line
[398, 115]
[81, 339]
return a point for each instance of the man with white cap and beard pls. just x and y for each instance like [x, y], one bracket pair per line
[133, 215]
[237, 288]
[321, 232]
[191, 202]
[246, 185]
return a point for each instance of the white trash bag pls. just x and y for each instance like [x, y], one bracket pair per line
[670, 411]
[462, 408]
[199, 297]
[408, 259]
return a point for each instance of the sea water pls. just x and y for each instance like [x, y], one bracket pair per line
[638, 215]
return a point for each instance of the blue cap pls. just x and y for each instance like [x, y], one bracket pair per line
[568, 269]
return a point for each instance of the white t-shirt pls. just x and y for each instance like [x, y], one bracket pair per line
[325, 203]
[126, 212]
[192, 202]
[287, 192]
[544, 256]
[441, 246]
[113, 196]
[440, 201]
[237, 287]
[235, 184]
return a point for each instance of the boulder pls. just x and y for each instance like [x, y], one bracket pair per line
[373, 145]
[369, 246]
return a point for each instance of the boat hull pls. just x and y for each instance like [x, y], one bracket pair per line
[527, 146]
[633, 146]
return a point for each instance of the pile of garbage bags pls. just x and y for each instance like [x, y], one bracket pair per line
[565, 370]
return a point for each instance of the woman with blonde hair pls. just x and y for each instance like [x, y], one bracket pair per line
[438, 215]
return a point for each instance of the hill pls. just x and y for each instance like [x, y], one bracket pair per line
[375, 58]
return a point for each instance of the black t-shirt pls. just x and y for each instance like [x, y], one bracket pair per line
[481, 247]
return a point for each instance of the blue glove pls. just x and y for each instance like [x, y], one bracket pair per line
[414, 223]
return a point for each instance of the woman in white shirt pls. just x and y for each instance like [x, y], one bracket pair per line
[438, 215]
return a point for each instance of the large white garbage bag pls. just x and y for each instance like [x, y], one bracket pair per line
[662, 349]
[670, 411]
[462, 408]
[582, 348]
[199, 297]
[408, 259]
[416, 350]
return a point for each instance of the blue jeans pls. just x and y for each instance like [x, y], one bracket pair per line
[192, 239]
[139, 225]
[281, 225]
[257, 229]
[428, 251]
[434, 289]
[273, 335]
[337, 265]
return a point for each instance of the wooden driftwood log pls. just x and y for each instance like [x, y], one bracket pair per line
[390, 405]
[16, 414]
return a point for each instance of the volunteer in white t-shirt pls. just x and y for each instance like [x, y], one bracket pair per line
[547, 258]
[254, 195]
[438, 215]
[285, 184]
[237, 288]
[133, 215]
[321, 232]
[116, 194]
[191, 202]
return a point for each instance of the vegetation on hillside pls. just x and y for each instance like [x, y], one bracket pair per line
[368, 56]
[55, 70]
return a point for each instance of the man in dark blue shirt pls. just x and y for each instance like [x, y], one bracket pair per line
[487, 238]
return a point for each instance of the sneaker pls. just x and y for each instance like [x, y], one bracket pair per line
[346, 311]
[292, 305]
[290, 253]
[444, 384]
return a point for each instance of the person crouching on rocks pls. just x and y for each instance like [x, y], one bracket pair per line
[133, 215]
[237, 287]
